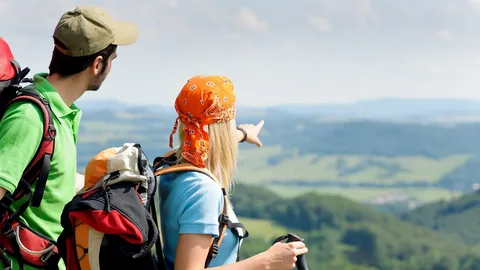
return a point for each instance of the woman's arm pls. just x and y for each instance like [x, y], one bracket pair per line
[201, 202]
[252, 133]
[192, 251]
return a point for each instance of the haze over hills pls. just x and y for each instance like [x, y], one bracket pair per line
[425, 110]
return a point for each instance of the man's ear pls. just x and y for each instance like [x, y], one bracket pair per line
[97, 65]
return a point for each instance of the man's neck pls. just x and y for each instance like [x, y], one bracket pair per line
[70, 88]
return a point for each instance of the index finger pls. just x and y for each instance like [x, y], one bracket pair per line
[297, 244]
[260, 124]
[301, 251]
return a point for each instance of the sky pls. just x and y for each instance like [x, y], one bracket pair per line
[275, 51]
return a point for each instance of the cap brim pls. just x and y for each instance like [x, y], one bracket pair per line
[124, 33]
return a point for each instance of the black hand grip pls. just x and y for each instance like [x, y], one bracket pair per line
[300, 264]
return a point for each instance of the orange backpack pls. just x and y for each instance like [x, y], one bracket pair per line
[111, 223]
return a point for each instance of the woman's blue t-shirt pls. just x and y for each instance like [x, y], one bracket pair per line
[190, 203]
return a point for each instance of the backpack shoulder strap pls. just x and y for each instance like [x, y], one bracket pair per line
[168, 158]
[158, 243]
[37, 170]
[39, 167]
[184, 167]
[223, 218]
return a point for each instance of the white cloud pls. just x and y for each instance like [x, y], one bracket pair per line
[365, 13]
[172, 3]
[349, 12]
[451, 10]
[475, 4]
[320, 23]
[5, 7]
[443, 34]
[234, 36]
[247, 18]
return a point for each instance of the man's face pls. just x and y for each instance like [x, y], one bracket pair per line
[97, 80]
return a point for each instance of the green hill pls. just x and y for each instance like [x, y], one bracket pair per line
[460, 217]
[342, 234]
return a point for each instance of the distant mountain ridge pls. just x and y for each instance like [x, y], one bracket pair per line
[385, 109]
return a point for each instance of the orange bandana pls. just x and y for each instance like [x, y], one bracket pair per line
[203, 100]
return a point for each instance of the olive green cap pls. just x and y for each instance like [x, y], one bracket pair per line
[88, 30]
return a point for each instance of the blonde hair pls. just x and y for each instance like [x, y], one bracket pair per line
[223, 150]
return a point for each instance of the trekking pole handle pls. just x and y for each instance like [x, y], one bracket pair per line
[300, 264]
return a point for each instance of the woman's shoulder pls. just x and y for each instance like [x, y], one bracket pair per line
[197, 194]
[192, 182]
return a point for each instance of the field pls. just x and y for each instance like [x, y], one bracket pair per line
[274, 163]
[362, 178]
[366, 194]
[263, 228]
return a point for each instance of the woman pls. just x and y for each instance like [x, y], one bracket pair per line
[191, 202]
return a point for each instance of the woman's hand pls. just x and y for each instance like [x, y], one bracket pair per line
[282, 256]
[192, 250]
[252, 133]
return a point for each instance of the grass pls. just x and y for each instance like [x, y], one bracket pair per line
[255, 167]
[263, 228]
[363, 194]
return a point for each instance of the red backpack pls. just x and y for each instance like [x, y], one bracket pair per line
[18, 240]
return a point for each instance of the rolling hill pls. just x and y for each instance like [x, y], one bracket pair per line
[342, 234]
[459, 217]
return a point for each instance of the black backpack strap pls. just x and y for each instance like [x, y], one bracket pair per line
[158, 244]
[169, 159]
[19, 76]
[223, 221]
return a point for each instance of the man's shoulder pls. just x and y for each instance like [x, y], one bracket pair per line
[23, 110]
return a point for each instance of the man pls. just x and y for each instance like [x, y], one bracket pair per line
[85, 45]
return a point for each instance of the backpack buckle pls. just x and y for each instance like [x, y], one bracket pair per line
[44, 101]
[52, 132]
[223, 219]
[50, 258]
[9, 232]
[5, 203]
[215, 249]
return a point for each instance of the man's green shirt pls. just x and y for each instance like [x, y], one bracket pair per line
[21, 131]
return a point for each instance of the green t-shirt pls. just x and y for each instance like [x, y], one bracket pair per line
[20, 134]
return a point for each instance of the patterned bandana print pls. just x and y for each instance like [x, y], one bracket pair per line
[204, 100]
